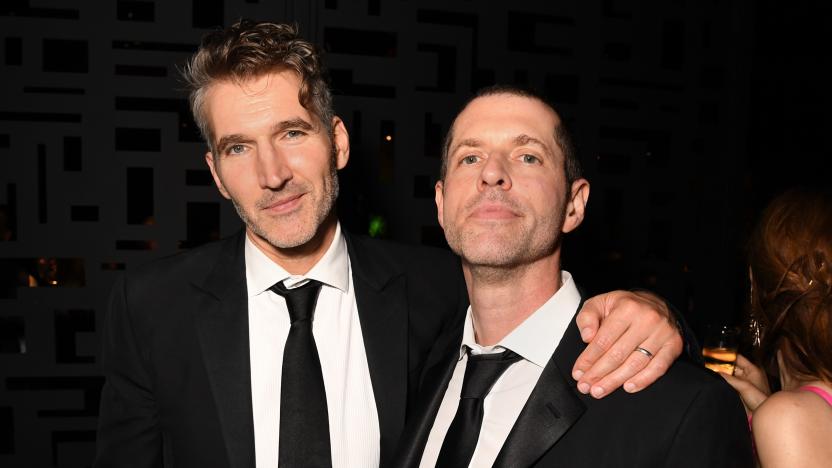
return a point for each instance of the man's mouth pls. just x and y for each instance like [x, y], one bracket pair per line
[283, 204]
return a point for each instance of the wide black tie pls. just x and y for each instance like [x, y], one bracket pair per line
[481, 372]
[304, 422]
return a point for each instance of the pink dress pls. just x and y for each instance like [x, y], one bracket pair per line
[819, 391]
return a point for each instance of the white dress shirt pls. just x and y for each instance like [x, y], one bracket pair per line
[353, 417]
[535, 341]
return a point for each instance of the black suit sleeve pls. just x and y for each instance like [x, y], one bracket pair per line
[128, 425]
[713, 432]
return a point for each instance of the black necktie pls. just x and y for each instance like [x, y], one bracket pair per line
[481, 372]
[304, 422]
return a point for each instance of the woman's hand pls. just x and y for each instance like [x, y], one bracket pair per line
[750, 382]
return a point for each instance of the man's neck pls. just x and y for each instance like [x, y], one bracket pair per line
[299, 260]
[501, 299]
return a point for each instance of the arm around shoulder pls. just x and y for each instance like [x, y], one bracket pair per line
[793, 429]
[128, 430]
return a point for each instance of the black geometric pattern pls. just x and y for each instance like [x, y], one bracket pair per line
[101, 164]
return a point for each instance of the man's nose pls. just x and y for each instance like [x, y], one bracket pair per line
[495, 173]
[273, 170]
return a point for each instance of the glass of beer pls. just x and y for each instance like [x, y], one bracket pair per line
[720, 348]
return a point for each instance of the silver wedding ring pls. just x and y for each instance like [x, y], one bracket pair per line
[644, 352]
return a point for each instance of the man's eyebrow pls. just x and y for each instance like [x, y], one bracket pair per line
[293, 123]
[472, 142]
[523, 139]
[228, 140]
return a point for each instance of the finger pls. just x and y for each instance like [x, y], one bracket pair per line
[631, 366]
[589, 318]
[746, 370]
[751, 396]
[610, 331]
[615, 356]
[657, 366]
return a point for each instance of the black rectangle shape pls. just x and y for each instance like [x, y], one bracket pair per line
[135, 11]
[72, 153]
[41, 183]
[198, 177]
[52, 90]
[135, 245]
[203, 222]
[14, 50]
[112, 266]
[564, 89]
[673, 44]
[423, 187]
[138, 139]
[5, 140]
[83, 213]
[65, 55]
[12, 335]
[360, 42]
[207, 13]
[140, 195]
[6, 430]
[156, 46]
[23, 10]
[614, 164]
[39, 117]
[140, 70]
[8, 215]
[374, 7]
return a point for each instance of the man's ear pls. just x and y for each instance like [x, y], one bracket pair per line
[341, 140]
[439, 197]
[209, 159]
[576, 205]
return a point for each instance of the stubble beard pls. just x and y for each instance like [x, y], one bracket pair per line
[305, 229]
[495, 255]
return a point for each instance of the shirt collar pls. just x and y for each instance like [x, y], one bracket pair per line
[332, 269]
[539, 335]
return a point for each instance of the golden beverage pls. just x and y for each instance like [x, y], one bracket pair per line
[720, 359]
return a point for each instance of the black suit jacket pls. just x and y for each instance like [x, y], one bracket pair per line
[176, 350]
[689, 417]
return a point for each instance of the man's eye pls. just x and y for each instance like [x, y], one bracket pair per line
[295, 133]
[530, 159]
[470, 159]
[236, 149]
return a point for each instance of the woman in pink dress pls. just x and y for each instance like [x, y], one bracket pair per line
[791, 303]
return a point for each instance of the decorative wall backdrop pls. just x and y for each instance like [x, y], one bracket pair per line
[101, 167]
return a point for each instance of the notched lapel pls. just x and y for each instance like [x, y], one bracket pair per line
[221, 318]
[553, 407]
[381, 297]
[551, 410]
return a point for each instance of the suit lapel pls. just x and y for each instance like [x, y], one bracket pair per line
[433, 389]
[381, 297]
[552, 408]
[221, 318]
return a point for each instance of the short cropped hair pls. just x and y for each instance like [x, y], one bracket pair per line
[790, 256]
[572, 164]
[249, 49]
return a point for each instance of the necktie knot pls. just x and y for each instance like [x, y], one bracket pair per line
[301, 300]
[483, 370]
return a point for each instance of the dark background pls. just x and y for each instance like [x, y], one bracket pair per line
[689, 115]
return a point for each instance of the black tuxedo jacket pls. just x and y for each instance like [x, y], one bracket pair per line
[176, 350]
[687, 418]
